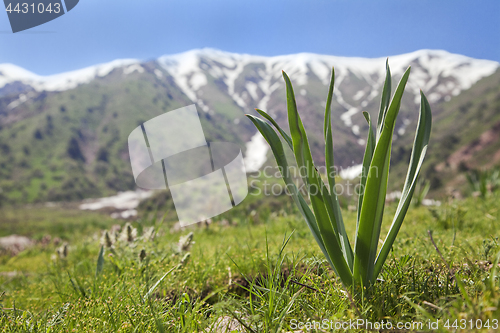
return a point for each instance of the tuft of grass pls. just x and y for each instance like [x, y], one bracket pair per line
[484, 182]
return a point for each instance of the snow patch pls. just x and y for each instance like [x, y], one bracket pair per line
[395, 195]
[431, 202]
[346, 116]
[351, 172]
[438, 73]
[22, 98]
[123, 200]
[158, 73]
[252, 89]
[321, 70]
[355, 129]
[198, 80]
[134, 68]
[124, 214]
[231, 75]
[256, 153]
[268, 91]
[358, 95]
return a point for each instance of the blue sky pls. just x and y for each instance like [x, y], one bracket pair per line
[97, 31]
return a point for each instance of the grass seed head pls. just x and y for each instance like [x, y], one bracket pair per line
[107, 239]
[142, 255]
[185, 242]
[129, 233]
[62, 251]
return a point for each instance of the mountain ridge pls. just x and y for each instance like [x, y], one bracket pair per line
[10, 73]
[65, 132]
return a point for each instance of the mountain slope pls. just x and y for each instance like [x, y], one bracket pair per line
[63, 137]
[467, 134]
[72, 144]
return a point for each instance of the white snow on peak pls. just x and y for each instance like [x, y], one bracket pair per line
[198, 80]
[185, 67]
[193, 69]
[461, 71]
[218, 64]
[438, 73]
[182, 66]
[22, 98]
[430, 68]
[10, 73]
[133, 68]
[158, 73]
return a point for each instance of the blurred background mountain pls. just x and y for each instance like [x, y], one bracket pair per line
[64, 137]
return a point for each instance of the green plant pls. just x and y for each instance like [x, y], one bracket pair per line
[361, 266]
[450, 216]
[421, 192]
[484, 182]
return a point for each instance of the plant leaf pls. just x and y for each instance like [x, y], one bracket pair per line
[367, 159]
[386, 98]
[335, 213]
[417, 157]
[372, 210]
[276, 146]
[100, 262]
[99, 267]
[287, 138]
[153, 288]
[275, 124]
[316, 188]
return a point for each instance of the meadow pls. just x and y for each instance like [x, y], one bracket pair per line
[268, 265]
[254, 270]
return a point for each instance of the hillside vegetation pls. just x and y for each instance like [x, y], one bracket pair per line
[63, 141]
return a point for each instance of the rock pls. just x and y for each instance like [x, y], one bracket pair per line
[46, 240]
[227, 324]
[14, 244]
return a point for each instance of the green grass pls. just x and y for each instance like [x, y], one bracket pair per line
[245, 271]
[36, 221]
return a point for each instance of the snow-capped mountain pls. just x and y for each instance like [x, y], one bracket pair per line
[250, 80]
[100, 105]
[255, 81]
[438, 73]
[190, 70]
[12, 74]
